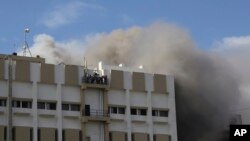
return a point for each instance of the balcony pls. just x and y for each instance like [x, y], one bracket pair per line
[94, 81]
[95, 115]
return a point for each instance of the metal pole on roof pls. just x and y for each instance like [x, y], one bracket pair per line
[25, 45]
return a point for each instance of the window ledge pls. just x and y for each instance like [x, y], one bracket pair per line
[71, 114]
[22, 111]
[44, 112]
[139, 118]
[160, 119]
[117, 116]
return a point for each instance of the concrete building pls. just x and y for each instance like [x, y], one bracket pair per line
[46, 102]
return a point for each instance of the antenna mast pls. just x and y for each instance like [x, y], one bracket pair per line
[25, 45]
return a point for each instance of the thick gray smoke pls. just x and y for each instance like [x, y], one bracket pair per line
[206, 86]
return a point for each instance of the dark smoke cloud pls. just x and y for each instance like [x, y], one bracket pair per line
[206, 86]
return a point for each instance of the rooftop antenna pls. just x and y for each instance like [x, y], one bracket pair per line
[25, 45]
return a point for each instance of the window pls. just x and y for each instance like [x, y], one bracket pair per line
[160, 113]
[75, 107]
[71, 107]
[16, 104]
[155, 112]
[138, 111]
[164, 113]
[2, 102]
[113, 110]
[143, 112]
[116, 110]
[26, 104]
[46, 105]
[133, 111]
[22, 104]
[51, 106]
[65, 107]
[121, 110]
[41, 105]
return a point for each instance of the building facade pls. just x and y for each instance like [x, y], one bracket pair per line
[47, 102]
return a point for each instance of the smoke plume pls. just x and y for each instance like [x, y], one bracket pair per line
[206, 86]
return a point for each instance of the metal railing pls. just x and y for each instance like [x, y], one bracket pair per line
[95, 79]
[95, 113]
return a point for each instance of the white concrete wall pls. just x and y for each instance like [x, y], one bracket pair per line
[47, 92]
[116, 97]
[138, 99]
[160, 100]
[160, 128]
[71, 94]
[3, 88]
[35, 69]
[22, 90]
[71, 123]
[22, 120]
[116, 125]
[92, 98]
[95, 131]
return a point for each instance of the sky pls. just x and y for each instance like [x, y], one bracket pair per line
[208, 21]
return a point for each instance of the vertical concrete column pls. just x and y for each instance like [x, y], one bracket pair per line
[128, 86]
[35, 69]
[84, 131]
[59, 80]
[149, 116]
[128, 115]
[34, 109]
[172, 111]
[82, 118]
[106, 131]
[59, 112]
[105, 108]
[149, 83]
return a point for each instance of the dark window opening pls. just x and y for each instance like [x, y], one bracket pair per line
[80, 135]
[153, 112]
[143, 112]
[87, 110]
[13, 134]
[5, 133]
[26, 104]
[113, 110]
[51, 106]
[164, 113]
[110, 136]
[121, 110]
[31, 134]
[16, 104]
[63, 135]
[133, 112]
[41, 105]
[38, 134]
[65, 107]
[56, 135]
[75, 107]
[2, 102]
